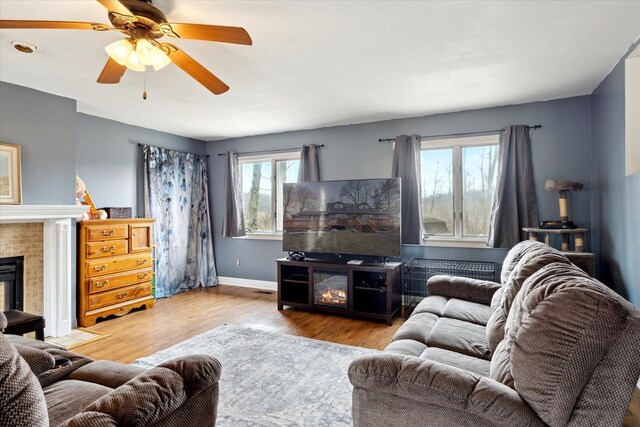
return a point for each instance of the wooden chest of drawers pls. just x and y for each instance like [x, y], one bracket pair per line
[114, 267]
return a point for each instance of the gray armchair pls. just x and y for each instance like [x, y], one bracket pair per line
[36, 389]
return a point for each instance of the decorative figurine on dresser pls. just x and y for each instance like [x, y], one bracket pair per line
[114, 267]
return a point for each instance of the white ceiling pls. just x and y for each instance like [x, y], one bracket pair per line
[323, 63]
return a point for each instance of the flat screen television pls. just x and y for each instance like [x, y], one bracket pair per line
[354, 217]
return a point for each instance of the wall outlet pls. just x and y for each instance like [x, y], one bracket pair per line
[237, 262]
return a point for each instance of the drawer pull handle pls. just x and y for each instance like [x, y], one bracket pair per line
[100, 268]
[121, 296]
[142, 261]
[108, 249]
[108, 232]
[102, 284]
[142, 275]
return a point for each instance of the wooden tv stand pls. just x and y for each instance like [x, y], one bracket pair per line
[367, 290]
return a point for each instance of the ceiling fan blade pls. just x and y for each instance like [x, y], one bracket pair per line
[212, 33]
[56, 25]
[112, 72]
[116, 7]
[197, 71]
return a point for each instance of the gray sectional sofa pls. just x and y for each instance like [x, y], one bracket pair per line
[547, 346]
[81, 392]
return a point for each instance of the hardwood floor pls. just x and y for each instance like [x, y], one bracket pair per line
[185, 315]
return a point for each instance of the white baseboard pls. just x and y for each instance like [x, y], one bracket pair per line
[248, 283]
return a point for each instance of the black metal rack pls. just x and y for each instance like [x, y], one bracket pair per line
[417, 271]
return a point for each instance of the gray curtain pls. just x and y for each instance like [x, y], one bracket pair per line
[233, 221]
[309, 166]
[177, 197]
[514, 202]
[406, 165]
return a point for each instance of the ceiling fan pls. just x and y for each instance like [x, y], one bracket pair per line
[144, 25]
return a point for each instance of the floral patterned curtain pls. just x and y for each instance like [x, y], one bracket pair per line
[177, 196]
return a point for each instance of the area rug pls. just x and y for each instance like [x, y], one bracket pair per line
[271, 379]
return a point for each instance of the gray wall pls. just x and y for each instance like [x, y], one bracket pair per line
[110, 161]
[561, 150]
[44, 126]
[616, 202]
[52, 136]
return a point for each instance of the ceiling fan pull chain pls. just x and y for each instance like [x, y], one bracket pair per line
[144, 92]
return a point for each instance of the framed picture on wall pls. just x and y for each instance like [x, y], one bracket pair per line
[10, 184]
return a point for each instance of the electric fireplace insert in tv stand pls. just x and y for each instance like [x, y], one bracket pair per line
[371, 291]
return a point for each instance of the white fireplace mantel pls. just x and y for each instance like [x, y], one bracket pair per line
[58, 283]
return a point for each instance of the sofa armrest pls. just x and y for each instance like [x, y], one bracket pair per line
[446, 389]
[155, 395]
[463, 288]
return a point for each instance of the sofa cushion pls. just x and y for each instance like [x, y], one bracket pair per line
[106, 373]
[462, 288]
[468, 311]
[513, 258]
[560, 327]
[459, 336]
[525, 260]
[432, 304]
[454, 308]
[536, 257]
[417, 327]
[69, 397]
[496, 299]
[495, 329]
[21, 400]
[442, 332]
[500, 369]
[451, 358]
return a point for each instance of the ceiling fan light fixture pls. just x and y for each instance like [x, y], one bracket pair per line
[120, 51]
[161, 60]
[146, 51]
[133, 62]
[150, 54]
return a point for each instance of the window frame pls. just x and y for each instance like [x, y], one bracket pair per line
[457, 144]
[274, 234]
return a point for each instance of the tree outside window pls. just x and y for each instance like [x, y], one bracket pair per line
[458, 183]
[262, 190]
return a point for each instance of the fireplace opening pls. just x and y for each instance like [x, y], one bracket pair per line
[12, 283]
[330, 288]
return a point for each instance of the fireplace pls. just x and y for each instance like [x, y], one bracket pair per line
[330, 288]
[55, 284]
[12, 283]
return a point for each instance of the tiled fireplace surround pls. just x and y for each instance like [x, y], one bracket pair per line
[42, 234]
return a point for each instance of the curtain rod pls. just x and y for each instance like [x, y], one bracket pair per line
[460, 134]
[281, 150]
[185, 152]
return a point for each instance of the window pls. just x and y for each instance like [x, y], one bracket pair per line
[458, 182]
[262, 178]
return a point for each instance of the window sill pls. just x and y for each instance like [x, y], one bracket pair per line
[261, 236]
[454, 243]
